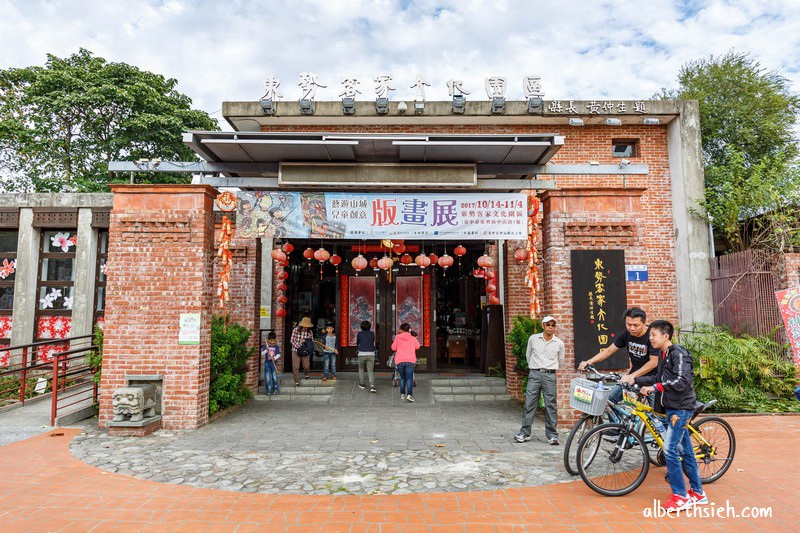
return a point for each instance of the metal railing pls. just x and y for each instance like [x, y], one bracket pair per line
[58, 367]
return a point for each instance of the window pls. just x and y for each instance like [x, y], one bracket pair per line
[8, 268]
[100, 277]
[55, 287]
[625, 148]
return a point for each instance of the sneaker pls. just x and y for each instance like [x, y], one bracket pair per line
[402, 396]
[361, 386]
[521, 437]
[554, 441]
[334, 377]
[698, 498]
[296, 383]
[276, 392]
[308, 376]
[324, 378]
[410, 399]
[372, 389]
[677, 503]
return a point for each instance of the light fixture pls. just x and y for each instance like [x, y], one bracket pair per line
[267, 107]
[349, 106]
[402, 107]
[613, 122]
[535, 105]
[382, 105]
[419, 107]
[576, 122]
[624, 163]
[459, 104]
[307, 107]
[498, 105]
[651, 121]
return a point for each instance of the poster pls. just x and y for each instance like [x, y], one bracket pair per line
[789, 304]
[343, 215]
[408, 306]
[599, 300]
[189, 329]
[361, 304]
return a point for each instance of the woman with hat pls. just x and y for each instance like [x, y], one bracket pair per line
[302, 347]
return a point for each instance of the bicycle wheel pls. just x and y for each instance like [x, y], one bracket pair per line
[714, 447]
[619, 460]
[581, 428]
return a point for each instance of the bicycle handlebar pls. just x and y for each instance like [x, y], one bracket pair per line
[614, 376]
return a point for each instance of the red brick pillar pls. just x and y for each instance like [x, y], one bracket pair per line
[160, 266]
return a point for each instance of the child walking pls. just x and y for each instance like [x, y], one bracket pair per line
[330, 349]
[271, 353]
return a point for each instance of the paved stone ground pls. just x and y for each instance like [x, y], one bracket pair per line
[369, 444]
[19, 423]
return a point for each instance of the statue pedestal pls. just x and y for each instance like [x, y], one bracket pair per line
[126, 428]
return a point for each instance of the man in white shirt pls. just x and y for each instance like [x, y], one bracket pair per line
[545, 355]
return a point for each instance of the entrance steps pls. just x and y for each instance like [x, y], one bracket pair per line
[310, 390]
[469, 389]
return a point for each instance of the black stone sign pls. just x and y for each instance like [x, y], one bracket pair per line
[598, 302]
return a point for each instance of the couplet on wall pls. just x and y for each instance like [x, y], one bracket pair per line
[599, 301]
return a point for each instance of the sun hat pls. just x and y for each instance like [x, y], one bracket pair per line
[306, 323]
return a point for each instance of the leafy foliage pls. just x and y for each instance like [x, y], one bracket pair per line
[523, 327]
[61, 124]
[95, 359]
[747, 119]
[229, 355]
[745, 374]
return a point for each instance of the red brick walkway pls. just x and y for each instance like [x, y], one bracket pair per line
[44, 489]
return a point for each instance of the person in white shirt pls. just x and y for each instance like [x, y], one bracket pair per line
[545, 355]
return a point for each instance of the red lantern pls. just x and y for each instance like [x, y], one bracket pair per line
[398, 241]
[322, 255]
[399, 248]
[490, 274]
[283, 275]
[533, 205]
[521, 255]
[335, 260]
[479, 273]
[485, 261]
[308, 253]
[460, 250]
[287, 248]
[359, 263]
[373, 262]
[445, 261]
[282, 299]
[406, 259]
[280, 287]
[385, 263]
[491, 288]
[434, 258]
[284, 263]
[422, 261]
[278, 255]
[494, 300]
[280, 312]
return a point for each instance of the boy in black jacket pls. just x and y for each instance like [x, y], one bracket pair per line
[674, 379]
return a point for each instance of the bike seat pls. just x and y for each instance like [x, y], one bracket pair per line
[699, 407]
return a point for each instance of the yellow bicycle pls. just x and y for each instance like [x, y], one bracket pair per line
[613, 459]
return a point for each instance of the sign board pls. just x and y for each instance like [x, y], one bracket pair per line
[789, 304]
[343, 215]
[598, 302]
[189, 328]
[636, 272]
[264, 311]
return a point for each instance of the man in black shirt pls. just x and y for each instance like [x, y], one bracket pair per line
[636, 337]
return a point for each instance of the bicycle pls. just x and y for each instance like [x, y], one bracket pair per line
[613, 458]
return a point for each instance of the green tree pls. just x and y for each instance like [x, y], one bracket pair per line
[61, 124]
[747, 119]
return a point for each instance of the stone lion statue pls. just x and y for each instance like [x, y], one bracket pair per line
[135, 403]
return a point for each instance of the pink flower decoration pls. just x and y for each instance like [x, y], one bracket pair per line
[7, 269]
[63, 241]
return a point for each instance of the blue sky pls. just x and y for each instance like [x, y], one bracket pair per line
[224, 50]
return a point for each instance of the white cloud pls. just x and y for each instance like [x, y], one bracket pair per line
[224, 50]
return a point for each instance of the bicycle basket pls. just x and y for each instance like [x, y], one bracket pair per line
[584, 396]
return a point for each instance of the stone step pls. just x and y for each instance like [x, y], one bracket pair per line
[303, 389]
[471, 397]
[468, 382]
[293, 397]
[448, 389]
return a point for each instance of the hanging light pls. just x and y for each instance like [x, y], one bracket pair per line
[287, 248]
[308, 253]
[494, 300]
[335, 260]
[446, 261]
[490, 274]
[406, 259]
[491, 288]
[485, 261]
[280, 312]
[278, 255]
[282, 299]
[284, 263]
[459, 250]
[281, 287]
[422, 260]
[521, 255]
[322, 255]
[479, 273]
[282, 275]
[359, 263]
[434, 258]
[399, 248]
[385, 263]
[373, 262]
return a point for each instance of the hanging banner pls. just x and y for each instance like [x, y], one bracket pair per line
[789, 304]
[341, 215]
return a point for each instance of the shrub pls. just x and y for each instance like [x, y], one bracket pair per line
[744, 374]
[520, 332]
[95, 359]
[229, 355]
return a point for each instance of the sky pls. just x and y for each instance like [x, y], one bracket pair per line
[582, 49]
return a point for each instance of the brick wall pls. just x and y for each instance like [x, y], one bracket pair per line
[159, 257]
